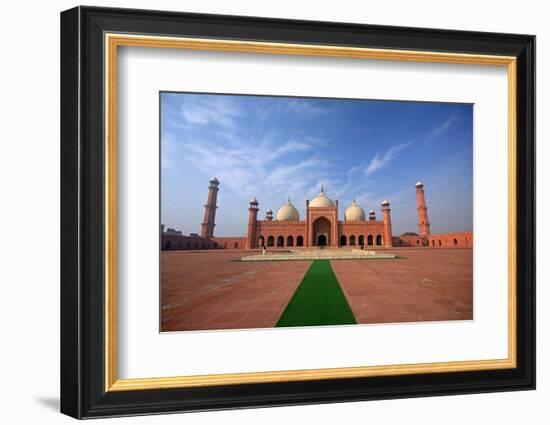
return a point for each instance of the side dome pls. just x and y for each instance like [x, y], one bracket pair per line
[321, 201]
[354, 212]
[288, 213]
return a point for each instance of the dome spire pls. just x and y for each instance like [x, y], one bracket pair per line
[322, 189]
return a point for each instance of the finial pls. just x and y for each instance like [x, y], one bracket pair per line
[289, 198]
[322, 189]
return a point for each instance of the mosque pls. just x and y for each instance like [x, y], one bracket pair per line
[320, 227]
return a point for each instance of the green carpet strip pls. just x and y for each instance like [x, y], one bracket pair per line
[319, 300]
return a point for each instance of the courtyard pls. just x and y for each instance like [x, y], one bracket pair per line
[213, 289]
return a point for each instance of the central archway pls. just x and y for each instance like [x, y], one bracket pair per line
[321, 232]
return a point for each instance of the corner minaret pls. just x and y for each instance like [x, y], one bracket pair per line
[251, 240]
[387, 242]
[423, 222]
[210, 207]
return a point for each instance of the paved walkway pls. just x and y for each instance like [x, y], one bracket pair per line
[422, 285]
[215, 290]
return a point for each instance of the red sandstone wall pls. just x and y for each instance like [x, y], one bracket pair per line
[415, 241]
[177, 242]
[451, 240]
[360, 232]
[185, 243]
[231, 242]
[281, 234]
[442, 240]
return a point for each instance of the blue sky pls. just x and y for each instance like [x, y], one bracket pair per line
[273, 147]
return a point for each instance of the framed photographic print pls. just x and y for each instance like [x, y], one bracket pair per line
[261, 212]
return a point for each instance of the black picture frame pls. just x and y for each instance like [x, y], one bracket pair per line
[83, 392]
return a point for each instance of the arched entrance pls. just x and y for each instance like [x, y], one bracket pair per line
[290, 241]
[321, 232]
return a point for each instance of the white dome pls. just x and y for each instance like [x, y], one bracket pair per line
[418, 184]
[321, 201]
[288, 212]
[354, 212]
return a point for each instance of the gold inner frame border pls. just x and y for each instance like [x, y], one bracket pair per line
[113, 40]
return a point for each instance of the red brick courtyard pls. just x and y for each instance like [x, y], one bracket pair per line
[212, 290]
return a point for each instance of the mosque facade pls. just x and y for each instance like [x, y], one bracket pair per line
[321, 227]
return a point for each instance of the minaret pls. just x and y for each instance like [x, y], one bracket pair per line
[423, 223]
[387, 224]
[372, 215]
[269, 215]
[251, 240]
[210, 207]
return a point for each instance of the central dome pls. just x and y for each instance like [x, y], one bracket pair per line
[354, 212]
[321, 201]
[288, 212]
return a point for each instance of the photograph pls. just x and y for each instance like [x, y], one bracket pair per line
[279, 211]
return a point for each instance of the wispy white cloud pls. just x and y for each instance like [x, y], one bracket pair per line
[381, 160]
[441, 128]
[210, 110]
[305, 108]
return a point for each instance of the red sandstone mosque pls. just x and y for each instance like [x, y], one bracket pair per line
[320, 227]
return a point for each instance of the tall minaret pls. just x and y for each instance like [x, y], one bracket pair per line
[387, 224]
[251, 240]
[210, 207]
[423, 223]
